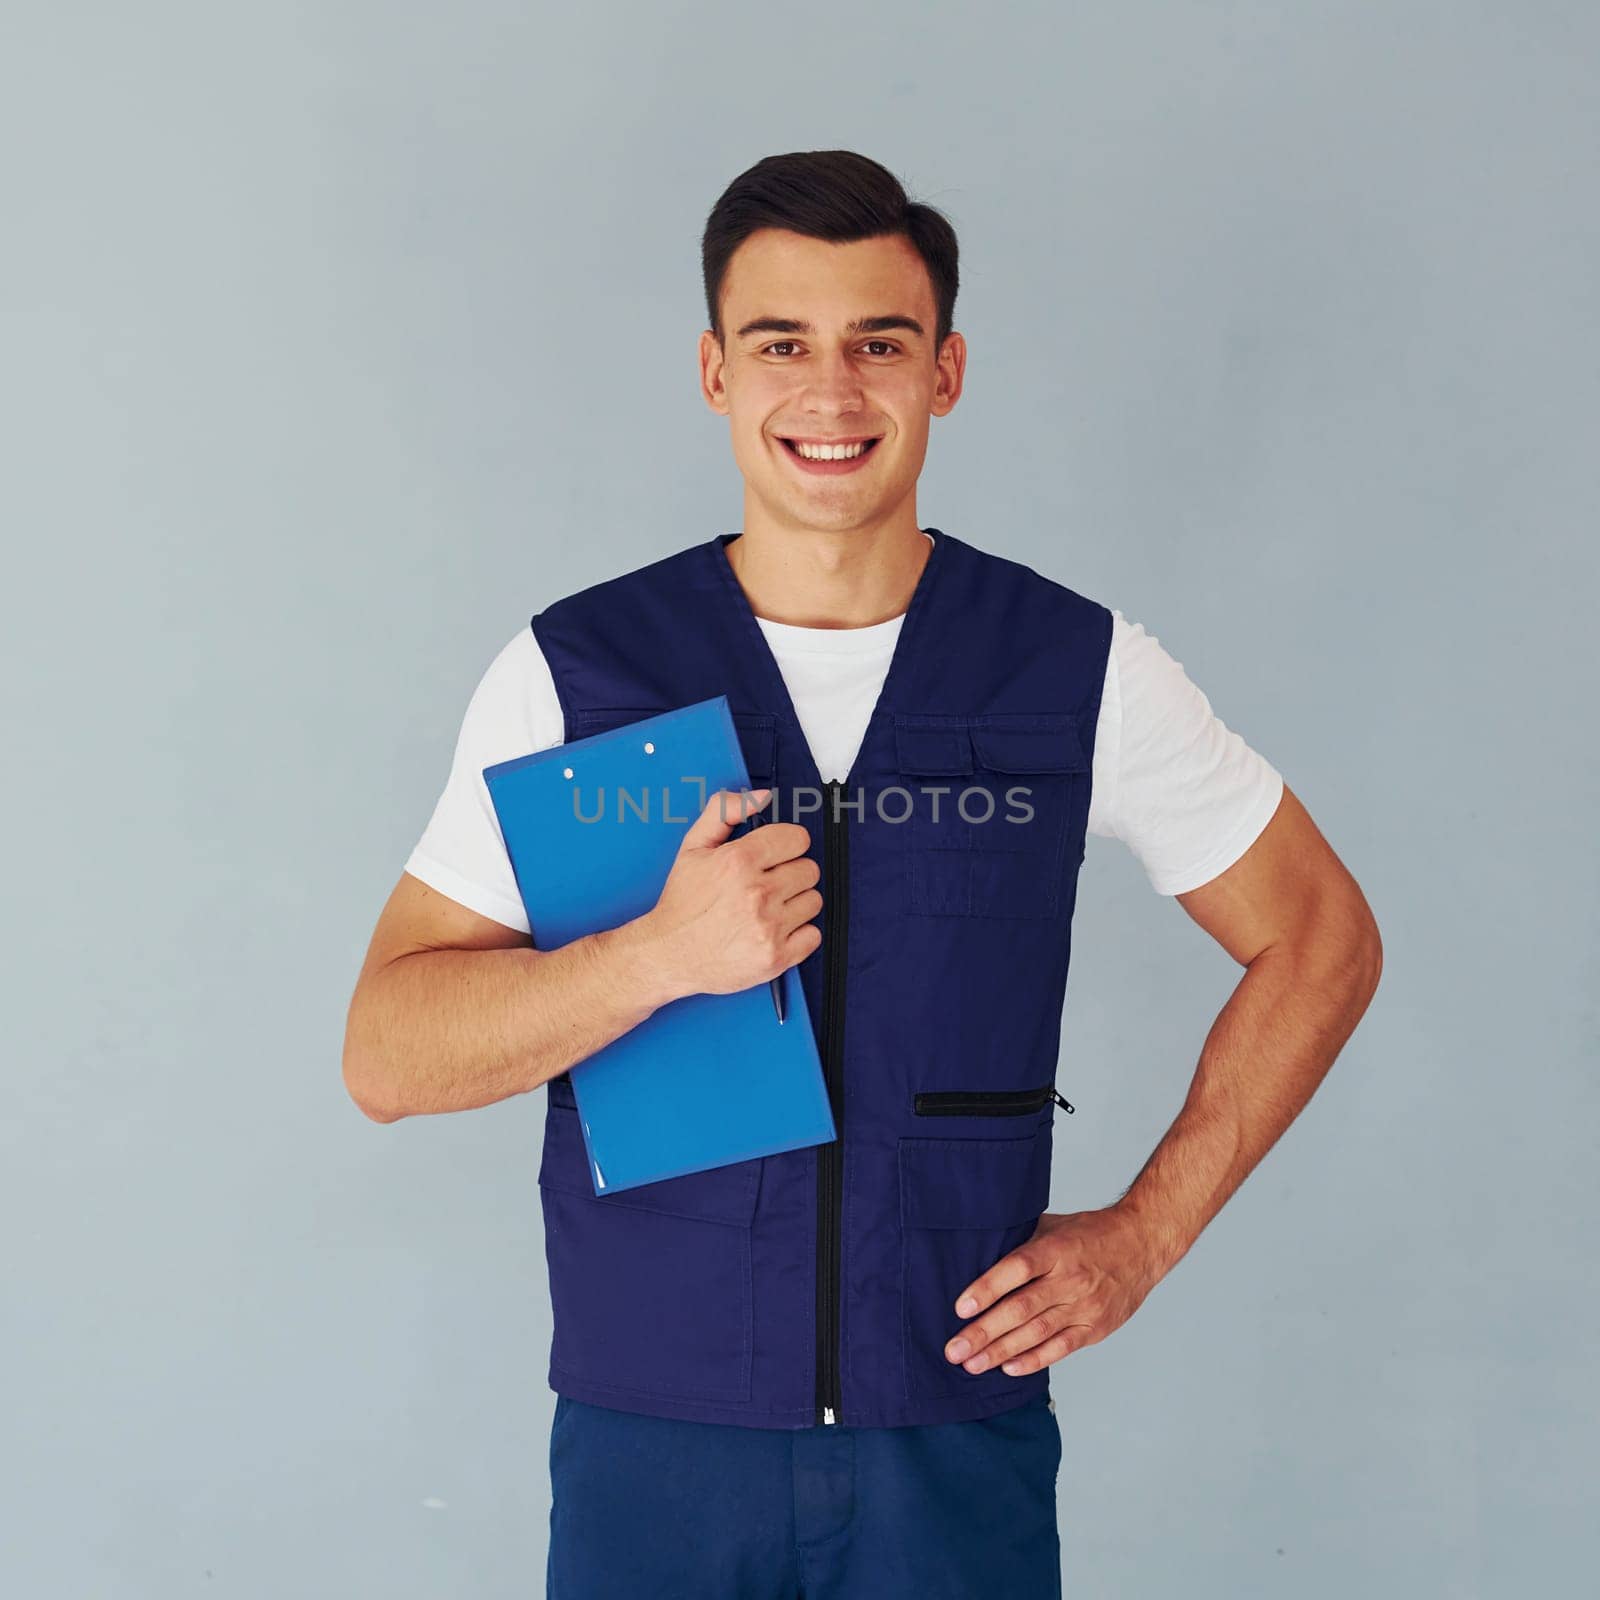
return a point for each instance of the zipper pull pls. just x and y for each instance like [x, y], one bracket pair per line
[1061, 1100]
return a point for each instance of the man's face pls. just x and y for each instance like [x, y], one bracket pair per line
[829, 344]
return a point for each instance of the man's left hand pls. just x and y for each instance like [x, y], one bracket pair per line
[1080, 1277]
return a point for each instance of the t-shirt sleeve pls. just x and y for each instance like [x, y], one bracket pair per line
[513, 710]
[1179, 787]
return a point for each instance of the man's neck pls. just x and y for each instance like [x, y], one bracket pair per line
[826, 580]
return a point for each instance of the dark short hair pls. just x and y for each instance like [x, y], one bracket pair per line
[827, 194]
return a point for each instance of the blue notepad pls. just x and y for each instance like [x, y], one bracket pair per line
[592, 828]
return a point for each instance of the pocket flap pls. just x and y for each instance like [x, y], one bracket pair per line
[1029, 744]
[932, 750]
[974, 1183]
[718, 1194]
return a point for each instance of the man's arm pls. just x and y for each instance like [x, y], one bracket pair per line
[1292, 915]
[454, 1010]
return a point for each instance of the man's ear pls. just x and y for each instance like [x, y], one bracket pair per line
[951, 363]
[711, 373]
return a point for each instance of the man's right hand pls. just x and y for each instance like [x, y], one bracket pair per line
[735, 912]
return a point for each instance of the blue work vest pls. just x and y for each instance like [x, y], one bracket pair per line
[818, 1286]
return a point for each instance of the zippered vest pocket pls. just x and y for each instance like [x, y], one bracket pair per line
[987, 1102]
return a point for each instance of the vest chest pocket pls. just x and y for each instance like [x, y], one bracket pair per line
[994, 798]
[964, 1203]
[649, 1287]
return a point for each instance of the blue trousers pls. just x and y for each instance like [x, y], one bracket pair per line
[651, 1508]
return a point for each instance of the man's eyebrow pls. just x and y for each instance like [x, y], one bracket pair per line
[886, 324]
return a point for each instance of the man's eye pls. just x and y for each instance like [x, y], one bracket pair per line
[883, 346]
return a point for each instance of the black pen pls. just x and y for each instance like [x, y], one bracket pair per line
[755, 819]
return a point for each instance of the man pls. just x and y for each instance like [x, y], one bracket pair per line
[824, 1372]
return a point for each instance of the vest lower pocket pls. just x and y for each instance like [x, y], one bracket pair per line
[650, 1286]
[964, 1203]
[994, 800]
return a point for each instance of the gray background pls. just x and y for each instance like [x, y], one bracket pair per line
[338, 338]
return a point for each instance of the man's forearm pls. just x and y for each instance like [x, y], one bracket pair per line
[1269, 1048]
[448, 1030]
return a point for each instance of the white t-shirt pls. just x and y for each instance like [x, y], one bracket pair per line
[1183, 791]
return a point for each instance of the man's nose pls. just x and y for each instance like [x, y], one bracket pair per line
[833, 384]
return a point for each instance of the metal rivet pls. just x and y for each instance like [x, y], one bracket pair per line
[649, 748]
[566, 772]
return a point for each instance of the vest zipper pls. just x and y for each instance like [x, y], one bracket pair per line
[830, 1156]
[987, 1102]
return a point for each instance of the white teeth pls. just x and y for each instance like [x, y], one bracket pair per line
[830, 452]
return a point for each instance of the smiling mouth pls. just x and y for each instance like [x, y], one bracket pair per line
[852, 451]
